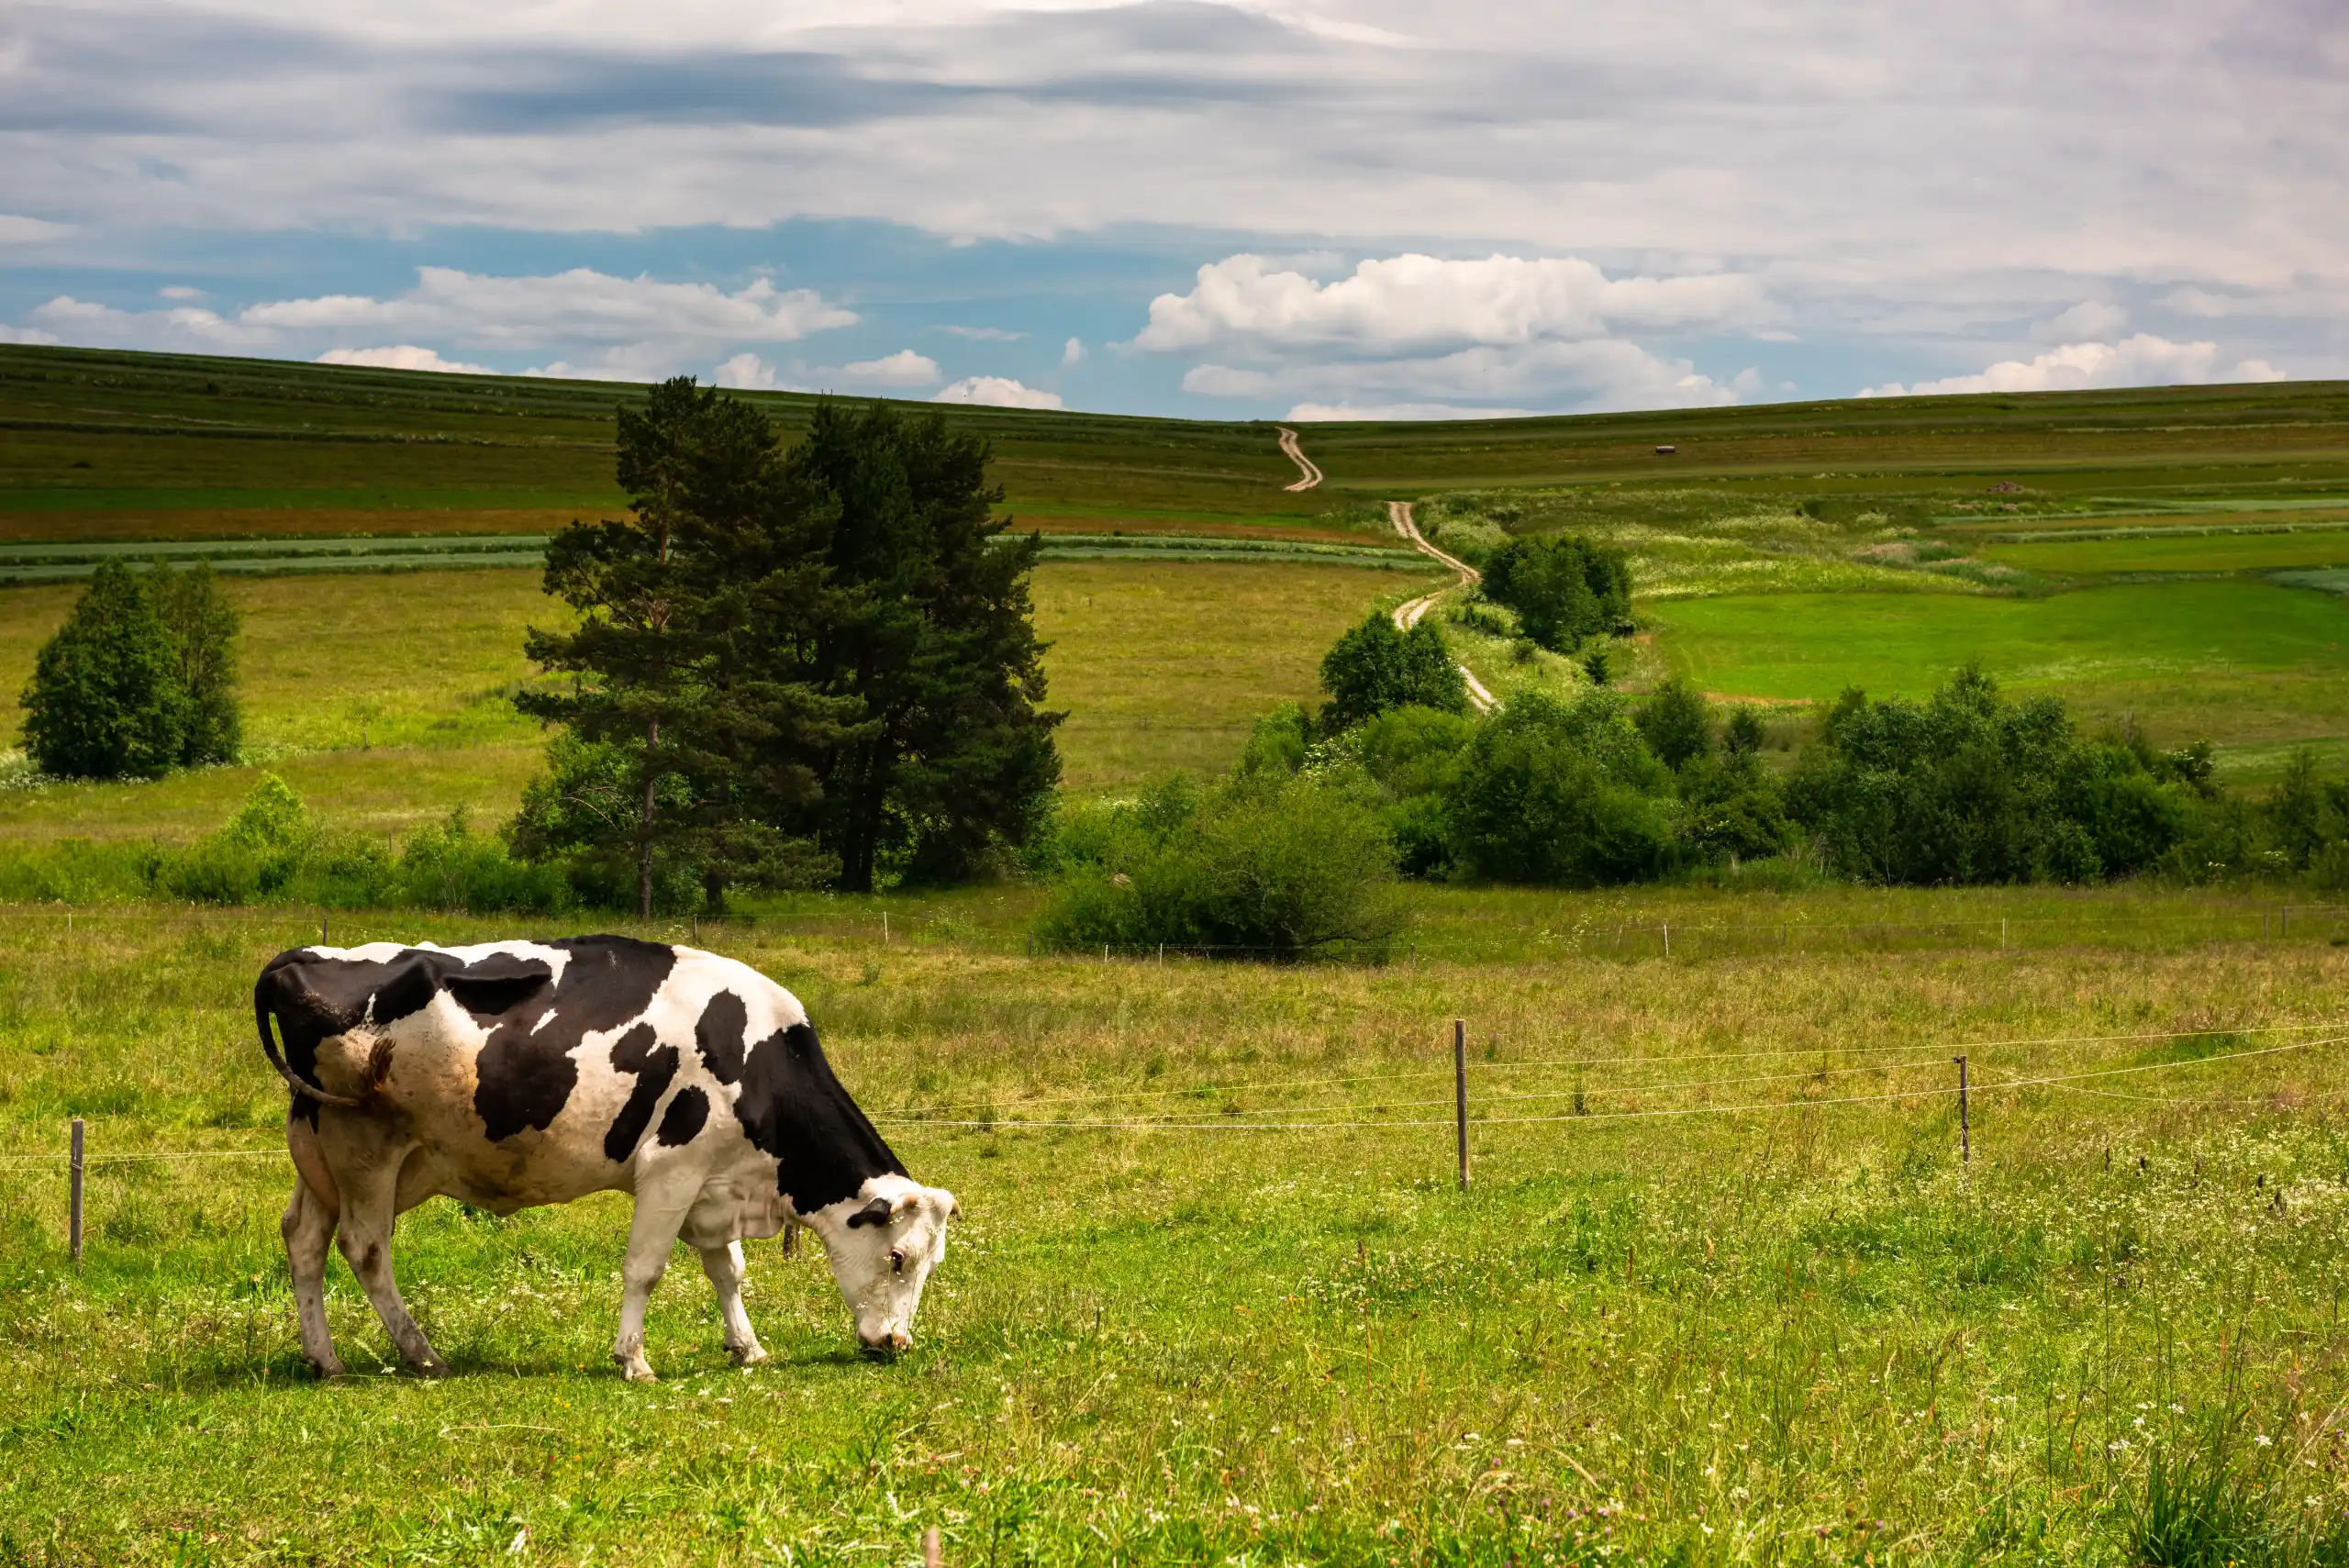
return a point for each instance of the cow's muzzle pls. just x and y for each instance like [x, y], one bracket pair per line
[887, 1344]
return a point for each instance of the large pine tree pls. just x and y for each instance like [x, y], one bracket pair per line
[792, 667]
[935, 640]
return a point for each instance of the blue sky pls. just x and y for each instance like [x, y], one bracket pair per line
[1232, 210]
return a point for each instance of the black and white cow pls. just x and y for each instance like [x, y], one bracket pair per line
[514, 1073]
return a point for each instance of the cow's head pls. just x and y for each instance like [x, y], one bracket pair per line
[883, 1243]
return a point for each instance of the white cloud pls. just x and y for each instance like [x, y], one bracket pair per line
[92, 324]
[1001, 392]
[1419, 302]
[179, 291]
[1223, 380]
[17, 230]
[904, 368]
[401, 357]
[2090, 320]
[745, 372]
[579, 305]
[985, 334]
[1305, 413]
[1073, 351]
[25, 335]
[2142, 361]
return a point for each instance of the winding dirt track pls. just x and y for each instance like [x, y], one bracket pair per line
[1309, 472]
[1408, 615]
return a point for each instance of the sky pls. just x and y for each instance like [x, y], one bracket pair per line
[1211, 208]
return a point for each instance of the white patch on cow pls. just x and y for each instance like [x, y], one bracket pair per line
[881, 1268]
[544, 1019]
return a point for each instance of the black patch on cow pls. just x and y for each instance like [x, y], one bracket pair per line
[525, 1074]
[498, 984]
[719, 1034]
[792, 1107]
[682, 1120]
[655, 1065]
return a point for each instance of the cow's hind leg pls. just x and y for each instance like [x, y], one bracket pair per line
[308, 1228]
[724, 1267]
[650, 1234]
[370, 1203]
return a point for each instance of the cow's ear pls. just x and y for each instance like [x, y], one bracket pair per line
[953, 1204]
[877, 1212]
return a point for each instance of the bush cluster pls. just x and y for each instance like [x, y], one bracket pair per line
[275, 850]
[1564, 588]
[140, 680]
[1268, 862]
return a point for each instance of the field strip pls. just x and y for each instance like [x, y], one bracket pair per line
[1983, 1087]
[1225, 1125]
[1409, 614]
[1936, 1047]
[1308, 472]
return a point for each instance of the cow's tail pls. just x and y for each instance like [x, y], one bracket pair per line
[302, 1087]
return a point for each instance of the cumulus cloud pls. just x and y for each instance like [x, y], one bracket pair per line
[904, 368]
[2142, 361]
[1225, 381]
[745, 372]
[93, 325]
[1419, 302]
[1073, 351]
[401, 357]
[984, 334]
[1002, 392]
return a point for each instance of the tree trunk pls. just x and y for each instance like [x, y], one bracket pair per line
[644, 826]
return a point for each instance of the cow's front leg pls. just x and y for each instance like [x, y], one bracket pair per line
[659, 1217]
[724, 1267]
[369, 1206]
[308, 1228]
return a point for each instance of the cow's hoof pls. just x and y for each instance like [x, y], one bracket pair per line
[636, 1369]
[326, 1370]
[747, 1357]
[429, 1369]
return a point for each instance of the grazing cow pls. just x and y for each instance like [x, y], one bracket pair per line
[514, 1073]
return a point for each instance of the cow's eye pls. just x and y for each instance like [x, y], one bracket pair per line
[896, 1260]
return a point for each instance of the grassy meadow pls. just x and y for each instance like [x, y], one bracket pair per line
[383, 699]
[1794, 1335]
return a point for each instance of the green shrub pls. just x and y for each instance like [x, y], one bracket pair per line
[105, 700]
[1564, 588]
[1375, 668]
[1678, 722]
[203, 627]
[1970, 788]
[1270, 864]
[1563, 793]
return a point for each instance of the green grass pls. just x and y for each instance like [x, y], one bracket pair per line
[1160, 665]
[2238, 662]
[2202, 552]
[1798, 1335]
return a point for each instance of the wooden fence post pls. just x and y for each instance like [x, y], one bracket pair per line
[1965, 1132]
[73, 1204]
[1459, 1093]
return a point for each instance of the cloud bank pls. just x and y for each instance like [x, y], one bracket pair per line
[2142, 361]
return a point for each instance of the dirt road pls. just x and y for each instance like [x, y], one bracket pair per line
[1408, 615]
[1309, 474]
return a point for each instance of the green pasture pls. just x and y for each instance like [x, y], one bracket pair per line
[2189, 552]
[384, 699]
[2237, 663]
[1665, 1323]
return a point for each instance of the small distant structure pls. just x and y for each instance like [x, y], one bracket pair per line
[2005, 488]
[1665, 451]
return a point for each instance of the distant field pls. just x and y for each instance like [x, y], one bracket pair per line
[2236, 661]
[2203, 553]
[1161, 665]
